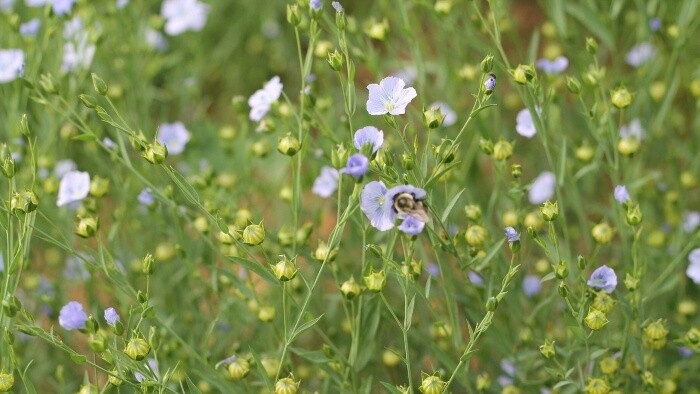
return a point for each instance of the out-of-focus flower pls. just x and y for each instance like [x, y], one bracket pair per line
[122, 3]
[553, 66]
[524, 124]
[433, 269]
[316, 5]
[11, 64]
[531, 285]
[111, 316]
[152, 365]
[30, 28]
[408, 74]
[621, 194]
[603, 278]
[445, 109]
[155, 40]
[60, 7]
[640, 54]
[326, 183]
[542, 188]
[72, 316]
[368, 135]
[475, 278]
[389, 97]
[75, 186]
[261, 101]
[357, 166]
[633, 129]
[374, 204]
[146, 197]
[183, 15]
[411, 225]
[174, 136]
[78, 50]
[512, 235]
[6, 5]
[337, 6]
[691, 221]
[655, 24]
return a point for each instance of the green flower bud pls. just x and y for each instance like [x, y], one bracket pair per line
[24, 202]
[591, 45]
[324, 253]
[266, 313]
[655, 334]
[561, 270]
[139, 142]
[155, 153]
[602, 233]
[335, 60]
[24, 125]
[487, 64]
[609, 365]
[253, 234]
[475, 235]
[603, 302]
[47, 83]
[584, 153]
[87, 226]
[350, 289]
[433, 117]
[114, 378]
[573, 85]
[491, 304]
[445, 152]
[547, 350]
[8, 163]
[631, 282]
[11, 305]
[99, 186]
[407, 161]
[621, 97]
[98, 341]
[503, 150]
[7, 381]
[563, 290]
[141, 297]
[260, 148]
[634, 214]
[293, 15]
[581, 262]
[137, 349]
[483, 382]
[692, 339]
[443, 7]
[285, 269]
[523, 74]
[473, 212]
[286, 386]
[339, 156]
[303, 233]
[153, 338]
[595, 320]
[288, 145]
[88, 101]
[628, 146]
[377, 30]
[286, 236]
[238, 369]
[432, 384]
[550, 211]
[148, 265]
[99, 85]
[597, 386]
[375, 281]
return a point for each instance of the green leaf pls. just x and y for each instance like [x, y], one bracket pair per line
[597, 354]
[451, 205]
[222, 224]
[255, 267]
[78, 358]
[476, 111]
[390, 388]
[304, 327]
[187, 190]
[315, 356]
[409, 313]
[84, 137]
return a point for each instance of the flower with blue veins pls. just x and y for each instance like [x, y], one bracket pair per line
[375, 205]
[72, 316]
[603, 278]
[357, 166]
[368, 135]
[389, 97]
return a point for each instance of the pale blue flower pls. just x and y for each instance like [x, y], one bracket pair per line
[326, 183]
[227, 361]
[447, 111]
[553, 66]
[155, 40]
[433, 269]
[357, 166]
[11, 64]
[108, 143]
[30, 28]
[542, 188]
[368, 135]
[691, 221]
[389, 97]
[511, 235]
[603, 278]
[183, 15]
[640, 54]
[152, 366]
[524, 125]
[633, 129]
[74, 186]
[316, 5]
[693, 270]
[122, 3]
[411, 225]
[77, 54]
[62, 7]
[261, 101]
[146, 197]
[655, 24]
[531, 285]
[621, 194]
[6, 5]
[374, 204]
[72, 316]
[174, 136]
[63, 167]
[337, 6]
[475, 278]
[111, 316]
[73, 28]
[490, 83]
[2, 263]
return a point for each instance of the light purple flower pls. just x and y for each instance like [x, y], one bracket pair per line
[72, 316]
[75, 186]
[640, 54]
[475, 278]
[685, 352]
[122, 3]
[2, 263]
[531, 285]
[63, 167]
[553, 67]
[357, 166]
[337, 6]
[374, 204]
[146, 197]
[389, 97]
[368, 135]
[633, 129]
[111, 316]
[77, 54]
[108, 143]
[512, 235]
[542, 188]
[183, 15]
[30, 28]
[445, 109]
[691, 221]
[62, 7]
[326, 183]
[490, 83]
[11, 64]
[151, 365]
[411, 225]
[655, 24]
[408, 74]
[603, 278]
[433, 270]
[316, 5]
[174, 136]
[227, 361]
[261, 101]
[693, 270]
[524, 124]
[6, 5]
[621, 194]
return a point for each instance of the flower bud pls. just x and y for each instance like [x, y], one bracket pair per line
[432, 384]
[99, 186]
[445, 152]
[98, 341]
[288, 145]
[260, 148]
[597, 386]
[609, 365]
[148, 265]
[490, 83]
[621, 97]
[155, 153]
[141, 297]
[377, 30]
[238, 369]
[114, 378]
[88, 101]
[11, 305]
[475, 235]
[407, 161]
[433, 117]
[523, 74]
[293, 15]
[286, 386]
[8, 162]
[581, 262]
[153, 338]
[266, 313]
[584, 153]
[253, 234]
[137, 349]
[547, 350]
[561, 270]
[631, 282]
[87, 226]
[47, 83]
[324, 253]
[550, 211]
[603, 302]
[335, 60]
[595, 320]
[350, 289]
[634, 214]
[443, 7]
[563, 290]
[591, 45]
[573, 85]
[486, 146]
[473, 212]
[285, 269]
[99, 85]
[655, 334]
[487, 64]
[602, 233]
[483, 382]
[503, 150]
[692, 338]
[7, 381]
[628, 146]
[491, 304]
[375, 281]
[24, 202]
[339, 156]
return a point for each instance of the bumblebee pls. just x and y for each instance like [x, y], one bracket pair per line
[405, 204]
